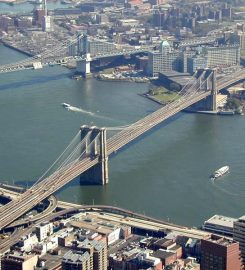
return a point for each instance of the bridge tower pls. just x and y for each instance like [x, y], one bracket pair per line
[94, 145]
[207, 79]
[214, 91]
[211, 85]
[82, 45]
[83, 66]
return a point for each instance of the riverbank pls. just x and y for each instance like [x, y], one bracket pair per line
[120, 77]
[11, 46]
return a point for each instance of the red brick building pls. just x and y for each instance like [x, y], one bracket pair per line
[219, 253]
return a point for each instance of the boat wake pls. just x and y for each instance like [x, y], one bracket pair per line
[68, 107]
[76, 109]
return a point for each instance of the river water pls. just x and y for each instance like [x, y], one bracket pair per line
[164, 174]
[26, 7]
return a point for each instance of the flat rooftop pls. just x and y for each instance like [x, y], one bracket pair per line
[219, 220]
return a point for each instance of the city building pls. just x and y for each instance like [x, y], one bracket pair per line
[47, 24]
[135, 259]
[77, 261]
[27, 243]
[196, 62]
[97, 250]
[239, 235]
[222, 55]
[39, 13]
[18, 261]
[219, 253]
[220, 225]
[44, 230]
[166, 59]
[240, 36]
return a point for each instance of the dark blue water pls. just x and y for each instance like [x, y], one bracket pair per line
[165, 174]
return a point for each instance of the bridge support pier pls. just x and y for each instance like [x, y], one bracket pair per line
[83, 66]
[94, 145]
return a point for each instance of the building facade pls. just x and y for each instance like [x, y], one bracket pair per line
[239, 235]
[222, 56]
[219, 253]
[166, 59]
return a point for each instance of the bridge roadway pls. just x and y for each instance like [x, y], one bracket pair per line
[54, 182]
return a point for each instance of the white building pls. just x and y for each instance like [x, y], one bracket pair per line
[165, 60]
[28, 242]
[45, 246]
[44, 230]
[47, 24]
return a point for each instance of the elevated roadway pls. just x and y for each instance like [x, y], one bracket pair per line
[52, 206]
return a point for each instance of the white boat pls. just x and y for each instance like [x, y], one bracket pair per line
[66, 105]
[223, 170]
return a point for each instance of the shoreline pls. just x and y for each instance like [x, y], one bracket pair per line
[8, 45]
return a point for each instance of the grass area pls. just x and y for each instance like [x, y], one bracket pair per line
[243, 53]
[163, 95]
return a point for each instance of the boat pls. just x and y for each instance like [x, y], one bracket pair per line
[65, 105]
[220, 172]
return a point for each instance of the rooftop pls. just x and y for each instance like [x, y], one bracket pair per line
[76, 257]
[221, 221]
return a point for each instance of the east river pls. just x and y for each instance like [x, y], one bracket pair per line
[164, 174]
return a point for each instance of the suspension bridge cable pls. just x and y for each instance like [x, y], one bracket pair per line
[59, 157]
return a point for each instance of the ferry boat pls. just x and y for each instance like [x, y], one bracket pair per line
[220, 172]
[65, 105]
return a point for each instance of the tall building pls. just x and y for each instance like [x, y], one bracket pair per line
[39, 13]
[159, 17]
[47, 24]
[219, 253]
[44, 230]
[241, 36]
[239, 235]
[98, 250]
[196, 62]
[165, 60]
[223, 55]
